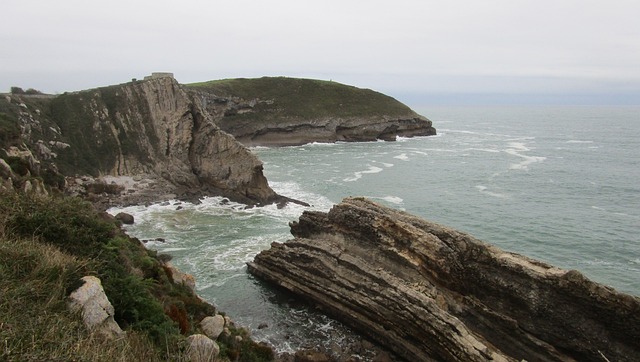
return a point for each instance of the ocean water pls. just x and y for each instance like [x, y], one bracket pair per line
[559, 184]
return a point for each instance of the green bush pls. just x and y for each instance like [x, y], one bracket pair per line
[139, 286]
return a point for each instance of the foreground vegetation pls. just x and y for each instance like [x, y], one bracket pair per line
[47, 244]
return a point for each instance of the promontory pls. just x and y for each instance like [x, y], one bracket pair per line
[430, 293]
[184, 141]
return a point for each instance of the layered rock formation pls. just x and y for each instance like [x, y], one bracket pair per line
[430, 293]
[151, 127]
[280, 111]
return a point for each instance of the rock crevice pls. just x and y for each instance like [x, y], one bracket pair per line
[428, 292]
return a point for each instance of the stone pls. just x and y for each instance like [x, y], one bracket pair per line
[95, 308]
[310, 356]
[428, 292]
[180, 277]
[125, 218]
[213, 326]
[201, 348]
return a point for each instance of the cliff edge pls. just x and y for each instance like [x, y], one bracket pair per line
[151, 127]
[281, 111]
[430, 293]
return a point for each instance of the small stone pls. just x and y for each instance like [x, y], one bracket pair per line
[263, 326]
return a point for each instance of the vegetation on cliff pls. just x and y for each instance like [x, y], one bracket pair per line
[304, 98]
[47, 244]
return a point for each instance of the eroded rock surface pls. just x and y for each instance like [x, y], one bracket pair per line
[96, 310]
[430, 293]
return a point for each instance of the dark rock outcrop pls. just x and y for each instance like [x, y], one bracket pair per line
[430, 293]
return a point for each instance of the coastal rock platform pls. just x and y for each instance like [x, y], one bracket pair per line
[430, 293]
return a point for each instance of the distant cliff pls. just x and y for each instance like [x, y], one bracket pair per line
[280, 111]
[186, 135]
[430, 293]
[150, 127]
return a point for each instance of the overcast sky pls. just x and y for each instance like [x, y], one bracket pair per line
[566, 51]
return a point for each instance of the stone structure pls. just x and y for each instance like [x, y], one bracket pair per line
[158, 75]
[430, 293]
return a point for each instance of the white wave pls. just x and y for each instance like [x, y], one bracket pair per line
[387, 165]
[578, 141]
[515, 149]
[358, 174]
[392, 199]
[322, 144]
[402, 156]
[483, 189]
[419, 153]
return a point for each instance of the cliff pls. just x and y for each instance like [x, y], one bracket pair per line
[151, 127]
[430, 293]
[280, 111]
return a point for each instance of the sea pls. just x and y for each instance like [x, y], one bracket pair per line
[556, 183]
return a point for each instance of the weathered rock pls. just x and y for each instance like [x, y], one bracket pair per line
[97, 312]
[180, 277]
[428, 292]
[201, 348]
[213, 326]
[153, 128]
[125, 218]
[287, 111]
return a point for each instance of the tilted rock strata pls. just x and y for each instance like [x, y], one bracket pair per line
[264, 124]
[152, 128]
[430, 293]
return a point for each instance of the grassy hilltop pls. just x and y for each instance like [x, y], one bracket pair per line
[306, 98]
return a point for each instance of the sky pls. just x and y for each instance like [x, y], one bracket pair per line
[419, 51]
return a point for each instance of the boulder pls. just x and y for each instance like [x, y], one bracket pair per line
[213, 326]
[95, 308]
[428, 292]
[125, 218]
[201, 348]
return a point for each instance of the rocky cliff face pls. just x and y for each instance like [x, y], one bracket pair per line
[430, 293]
[151, 127]
[287, 111]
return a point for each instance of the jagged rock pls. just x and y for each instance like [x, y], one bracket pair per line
[152, 127]
[213, 326]
[125, 218]
[97, 312]
[201, 348]
[428, 292]
[180, 277]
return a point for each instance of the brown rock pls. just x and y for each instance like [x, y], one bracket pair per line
[428, 292]
[125, 218]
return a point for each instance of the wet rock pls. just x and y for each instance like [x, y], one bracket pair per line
[125, 218]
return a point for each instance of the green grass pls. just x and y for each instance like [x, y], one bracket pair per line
[304, 98]
[47, 244]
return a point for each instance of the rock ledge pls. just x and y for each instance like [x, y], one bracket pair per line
[428, 292]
